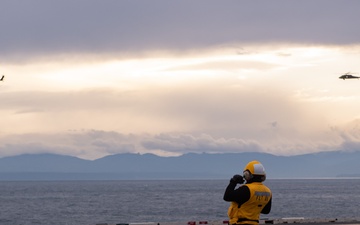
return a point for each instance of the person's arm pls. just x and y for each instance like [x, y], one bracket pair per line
[229, 194]
[240, 195]
[267, 208]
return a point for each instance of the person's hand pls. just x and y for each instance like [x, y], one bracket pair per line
[237, 179]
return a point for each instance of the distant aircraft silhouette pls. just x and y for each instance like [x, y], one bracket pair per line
[2, 78]
[348, 76]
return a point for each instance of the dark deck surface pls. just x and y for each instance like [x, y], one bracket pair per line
[293, 220]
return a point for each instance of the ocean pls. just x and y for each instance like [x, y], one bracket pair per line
[92, 202]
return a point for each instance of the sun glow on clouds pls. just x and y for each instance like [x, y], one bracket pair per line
[123, 74]
[222, 92]
[129, 74]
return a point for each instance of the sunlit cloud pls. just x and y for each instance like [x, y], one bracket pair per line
[280, 99]
[114, 78]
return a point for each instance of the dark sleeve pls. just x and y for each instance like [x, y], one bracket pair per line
[239, 195]
[267, 208]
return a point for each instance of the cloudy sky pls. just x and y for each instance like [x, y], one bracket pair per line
[91, 78]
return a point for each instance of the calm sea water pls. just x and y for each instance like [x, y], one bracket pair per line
[91, 202]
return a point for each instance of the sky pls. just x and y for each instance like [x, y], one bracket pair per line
[93, 78]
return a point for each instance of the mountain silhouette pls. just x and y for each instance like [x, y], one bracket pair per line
[187, 166]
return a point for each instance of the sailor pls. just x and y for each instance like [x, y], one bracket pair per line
[249, 199]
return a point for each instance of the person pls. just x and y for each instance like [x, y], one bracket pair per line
[250, 199]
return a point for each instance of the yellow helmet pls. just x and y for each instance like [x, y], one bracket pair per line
[255, 168]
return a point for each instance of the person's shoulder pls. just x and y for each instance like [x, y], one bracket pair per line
[244, 187]
[267, 187]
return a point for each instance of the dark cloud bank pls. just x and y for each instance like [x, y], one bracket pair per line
[43, 27]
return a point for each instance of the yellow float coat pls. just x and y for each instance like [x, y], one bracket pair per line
[249, 212]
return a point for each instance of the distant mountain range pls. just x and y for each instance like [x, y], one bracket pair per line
[187, 166]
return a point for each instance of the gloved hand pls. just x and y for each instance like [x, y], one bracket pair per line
[237, 179]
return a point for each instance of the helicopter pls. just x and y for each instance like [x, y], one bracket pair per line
[348, 76]
[2, 78]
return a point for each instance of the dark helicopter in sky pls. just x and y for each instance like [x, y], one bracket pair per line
[348, 76]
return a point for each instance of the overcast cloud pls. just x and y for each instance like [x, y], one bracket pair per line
[128, 26]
